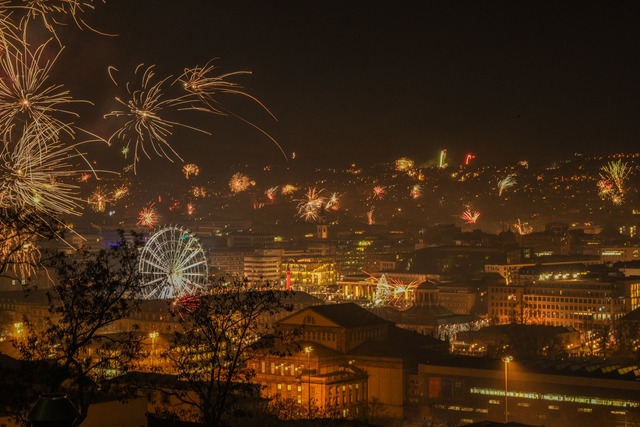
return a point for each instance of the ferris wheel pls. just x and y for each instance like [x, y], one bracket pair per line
[172, 264]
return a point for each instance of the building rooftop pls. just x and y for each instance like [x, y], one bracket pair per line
[348, 315]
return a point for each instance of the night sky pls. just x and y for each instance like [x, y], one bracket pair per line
[373, 81]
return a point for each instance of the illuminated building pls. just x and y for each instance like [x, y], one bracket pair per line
[575, 303]
[564, 264]
[356, 357]
[358, 286]
[617, 254]
[308, 272]
[461, 390]
[262, 266]
[495, 340]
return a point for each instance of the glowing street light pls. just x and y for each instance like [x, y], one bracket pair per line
[153, 335]
[18, 327]
[308, 350]
[506, 360]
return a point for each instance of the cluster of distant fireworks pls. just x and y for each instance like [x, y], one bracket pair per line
[612, 181]
[311, 207]
[43, 161]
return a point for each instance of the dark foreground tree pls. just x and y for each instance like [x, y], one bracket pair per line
[21, 232]
[78, 346]
[220, 333]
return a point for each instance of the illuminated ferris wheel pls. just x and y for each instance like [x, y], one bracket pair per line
[172, 264]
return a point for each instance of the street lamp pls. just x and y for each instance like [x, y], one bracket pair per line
[506, 360]
[308, 350]
[153, 335]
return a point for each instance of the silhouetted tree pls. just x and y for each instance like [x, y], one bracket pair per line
[76, 348]
[21, 231]
[221, 331]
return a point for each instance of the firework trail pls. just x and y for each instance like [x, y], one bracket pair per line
[271, 193]
[148, 217]
[120, 192]
[506, 182]
[523, 228]
[442, 161]
[54, 13]
[143, 112]
[206, 84]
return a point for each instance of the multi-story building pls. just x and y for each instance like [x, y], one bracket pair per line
[575, 303]
[621, 253]
[263, 266]
[306, 273]
[353, 358]
[228, 261]
[462, 390]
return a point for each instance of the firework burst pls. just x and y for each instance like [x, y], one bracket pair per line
[506, 182]
[404, 164]
[310, 206]
[239, 183]
[379, 192]
[18, 242]
[416, 191]
[288, 189]
[25, 95]
[98, 200]
[39, 179]
[470, 215]
[613, 180]
[148, 217]
[144, 109]
[190, 169]
[199, 191]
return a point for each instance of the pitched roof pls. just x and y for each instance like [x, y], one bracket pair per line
[348, 315]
